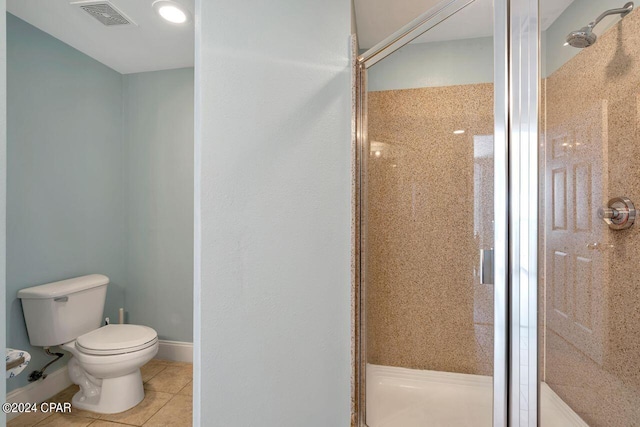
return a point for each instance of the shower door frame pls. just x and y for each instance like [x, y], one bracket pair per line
[516, 72]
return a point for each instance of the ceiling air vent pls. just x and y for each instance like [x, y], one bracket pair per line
[104, 12]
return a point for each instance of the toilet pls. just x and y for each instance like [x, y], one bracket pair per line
[105, 360]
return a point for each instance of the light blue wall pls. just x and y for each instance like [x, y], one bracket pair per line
[158, 114]
[3, 187]
[577, 15]
[354, 25]
[65, 192]
[456, 62]
[273, 157]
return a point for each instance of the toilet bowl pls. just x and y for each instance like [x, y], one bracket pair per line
[106, 360]
[106, 365]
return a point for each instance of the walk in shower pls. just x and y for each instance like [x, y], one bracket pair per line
[497, 280]
[589, 271]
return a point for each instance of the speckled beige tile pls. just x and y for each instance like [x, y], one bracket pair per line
[153, 401]
[174, 364]
[28, 419]
[187, 390]
[152, 368]
[429, 211]
[171, 380]
[177, 413]
[65, 420]
[100, 423]
[180, 368]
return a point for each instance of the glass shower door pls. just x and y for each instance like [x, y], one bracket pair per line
[590, 342]
[429, 187]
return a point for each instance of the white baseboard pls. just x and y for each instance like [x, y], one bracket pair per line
[40, 390]
[176, 351]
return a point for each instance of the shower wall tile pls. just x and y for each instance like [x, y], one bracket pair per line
[594, 99]
[429, 211]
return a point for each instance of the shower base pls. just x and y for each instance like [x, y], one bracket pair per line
[400, 397]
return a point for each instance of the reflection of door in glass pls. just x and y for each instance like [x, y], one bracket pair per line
[576, 240]
[590, 357]
[483, 234]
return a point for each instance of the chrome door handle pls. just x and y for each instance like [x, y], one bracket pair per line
[619, 214]
[599, 246]
[486, 267]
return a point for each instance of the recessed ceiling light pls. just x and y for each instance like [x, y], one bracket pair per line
[458, 132]
[172, 11]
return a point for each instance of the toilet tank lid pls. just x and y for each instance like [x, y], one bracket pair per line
[63, 287]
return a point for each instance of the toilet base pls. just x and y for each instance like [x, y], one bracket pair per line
[108, 384]
[115, 395]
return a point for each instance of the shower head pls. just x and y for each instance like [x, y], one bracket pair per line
[584, 37]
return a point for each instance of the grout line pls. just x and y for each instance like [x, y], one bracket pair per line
[154, 375]
[37, 422]
[113, 422]
[162, 407]
[159, 409]
[94, 420]
[165, 404]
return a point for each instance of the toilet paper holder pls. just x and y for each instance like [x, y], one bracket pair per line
[15, 363]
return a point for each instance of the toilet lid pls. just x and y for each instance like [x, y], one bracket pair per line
[116, 339]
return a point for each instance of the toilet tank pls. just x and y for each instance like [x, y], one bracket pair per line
[59, 312]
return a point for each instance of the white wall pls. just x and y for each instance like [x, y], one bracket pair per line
[3, 186]
[273, 179]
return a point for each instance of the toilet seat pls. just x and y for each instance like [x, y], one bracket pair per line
[116, 339]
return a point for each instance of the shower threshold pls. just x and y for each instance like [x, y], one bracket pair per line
[401, 397]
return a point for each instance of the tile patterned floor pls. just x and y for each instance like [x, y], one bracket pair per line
[167, 402]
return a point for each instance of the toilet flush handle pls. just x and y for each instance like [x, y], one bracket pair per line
[61, 299]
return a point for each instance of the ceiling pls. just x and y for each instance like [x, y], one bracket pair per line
[152, 44]
[377, 19]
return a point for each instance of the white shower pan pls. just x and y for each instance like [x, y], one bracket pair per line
[400, 397]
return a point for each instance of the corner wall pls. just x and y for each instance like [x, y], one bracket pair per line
[158, 137]
[99, 181]
[65, 187]
[273, 175]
